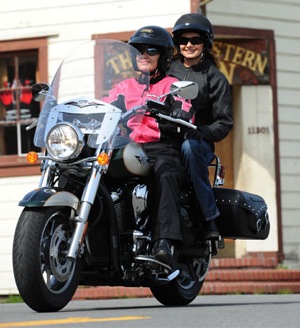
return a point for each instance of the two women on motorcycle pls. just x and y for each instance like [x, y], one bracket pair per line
[193, 35]
[160, 141]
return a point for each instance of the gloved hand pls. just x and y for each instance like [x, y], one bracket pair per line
[176, 109]
[196, 134]
[120, 103]
[182, 114]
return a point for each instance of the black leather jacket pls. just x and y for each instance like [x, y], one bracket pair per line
[213, 106]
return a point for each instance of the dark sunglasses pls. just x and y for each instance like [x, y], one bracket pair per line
[194, 40]
[151, 51]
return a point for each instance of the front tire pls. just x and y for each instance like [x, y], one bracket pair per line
[45, 278]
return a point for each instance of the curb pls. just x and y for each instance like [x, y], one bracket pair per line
[209, 288]
[104, 292]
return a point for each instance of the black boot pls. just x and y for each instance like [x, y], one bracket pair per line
[209, 231]
[163, 251]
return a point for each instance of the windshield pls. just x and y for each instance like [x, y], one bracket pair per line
[84, 78]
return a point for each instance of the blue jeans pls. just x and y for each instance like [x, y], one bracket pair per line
[197, 155]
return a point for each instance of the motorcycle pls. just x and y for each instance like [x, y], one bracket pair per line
[88, 223]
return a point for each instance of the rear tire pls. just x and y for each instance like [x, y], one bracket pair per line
[186, 286]
[45, 278]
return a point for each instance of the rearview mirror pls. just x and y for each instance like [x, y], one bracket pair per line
[39, 91]
[185, 89]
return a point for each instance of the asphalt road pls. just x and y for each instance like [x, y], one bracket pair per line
[206, 311]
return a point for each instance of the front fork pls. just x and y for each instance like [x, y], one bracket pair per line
[87, 198]
[86, 203]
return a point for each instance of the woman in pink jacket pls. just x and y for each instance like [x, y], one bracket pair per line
[160, 141]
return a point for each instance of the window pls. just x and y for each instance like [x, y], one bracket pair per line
[22, 63]
[17, 109]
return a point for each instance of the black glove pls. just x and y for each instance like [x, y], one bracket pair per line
[120, 103]
[196, 134]
[176, 109]
[182, 114]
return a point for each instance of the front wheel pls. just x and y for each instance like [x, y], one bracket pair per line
[45, 278]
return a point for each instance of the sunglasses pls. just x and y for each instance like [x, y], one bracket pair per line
[194, 40]
[151, 51]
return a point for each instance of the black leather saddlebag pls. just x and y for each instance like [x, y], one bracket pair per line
[243, 215]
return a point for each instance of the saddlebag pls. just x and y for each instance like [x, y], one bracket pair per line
[242, 215]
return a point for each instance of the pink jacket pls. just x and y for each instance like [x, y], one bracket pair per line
[136, 94]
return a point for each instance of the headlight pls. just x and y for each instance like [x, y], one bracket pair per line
[64, 141]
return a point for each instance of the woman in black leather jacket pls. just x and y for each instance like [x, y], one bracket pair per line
[193, 36]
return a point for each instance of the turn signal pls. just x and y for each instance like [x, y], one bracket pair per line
[103, 158]
[32, 157]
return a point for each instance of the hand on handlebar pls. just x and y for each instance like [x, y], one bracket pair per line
[183, 115]
[176, 109]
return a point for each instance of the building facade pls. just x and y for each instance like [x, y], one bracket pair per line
[258, 43]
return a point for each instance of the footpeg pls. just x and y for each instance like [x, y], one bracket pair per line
[152, 260]
[220, 243]
[170, 277]
[173, 275]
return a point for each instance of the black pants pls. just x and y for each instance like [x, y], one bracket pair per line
[167, 180]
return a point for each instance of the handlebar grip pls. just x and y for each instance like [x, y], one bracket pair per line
[132, 112]
[32, 125]
[177, 120]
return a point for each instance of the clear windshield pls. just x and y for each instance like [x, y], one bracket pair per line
[85, 76]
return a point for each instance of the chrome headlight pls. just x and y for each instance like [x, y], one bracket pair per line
[64, 141]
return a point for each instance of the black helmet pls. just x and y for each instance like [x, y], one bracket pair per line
[194, 23]
[156, 36]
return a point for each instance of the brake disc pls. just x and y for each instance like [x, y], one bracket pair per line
[61, 266]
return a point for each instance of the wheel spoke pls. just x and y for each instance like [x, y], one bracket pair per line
[56, 270]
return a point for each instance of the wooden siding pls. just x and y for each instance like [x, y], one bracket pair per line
[281, 16]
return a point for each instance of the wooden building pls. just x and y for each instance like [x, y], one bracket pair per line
[260, 55]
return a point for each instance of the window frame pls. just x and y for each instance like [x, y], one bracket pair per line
[15, 165]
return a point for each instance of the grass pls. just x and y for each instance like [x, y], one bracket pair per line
[11, 299]
[285, 292]
[282, 267]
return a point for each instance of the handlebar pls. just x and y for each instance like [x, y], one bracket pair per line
[32, 125]
[177, 120]
[132, 112]
[155, 111]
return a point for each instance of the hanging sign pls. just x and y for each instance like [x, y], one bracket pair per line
[243, 61]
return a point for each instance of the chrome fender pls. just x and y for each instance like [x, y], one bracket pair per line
[46, 197]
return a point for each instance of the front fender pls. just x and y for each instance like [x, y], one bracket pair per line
[45, 197]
